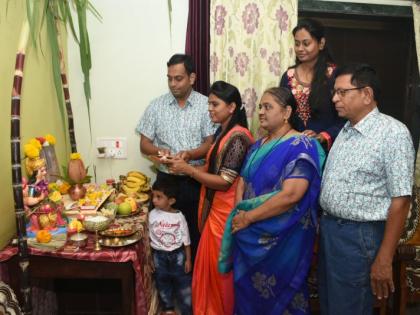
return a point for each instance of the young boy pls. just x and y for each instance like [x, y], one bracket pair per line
[170, 242]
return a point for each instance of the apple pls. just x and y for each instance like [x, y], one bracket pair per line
[124, 208]
[132, 203]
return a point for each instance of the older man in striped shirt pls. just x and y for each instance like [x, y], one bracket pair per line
[365, 195]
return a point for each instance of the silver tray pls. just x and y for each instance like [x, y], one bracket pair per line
[108, 233]
[120, 241]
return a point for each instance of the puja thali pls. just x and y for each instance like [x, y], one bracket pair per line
[119, 231]
[120, 241]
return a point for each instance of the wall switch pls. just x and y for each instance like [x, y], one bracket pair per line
[111, 147]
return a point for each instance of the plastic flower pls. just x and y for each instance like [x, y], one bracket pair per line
[55, 196]
[31, 151]
[75, 156]
[63, 188]
[35, 142]
[50, 139]
[52, 187]
[41, 140]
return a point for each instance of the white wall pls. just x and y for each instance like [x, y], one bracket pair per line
[129, 53]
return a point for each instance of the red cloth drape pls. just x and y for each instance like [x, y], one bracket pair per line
[198, 42]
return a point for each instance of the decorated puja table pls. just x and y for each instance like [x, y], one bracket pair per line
[103, 237]
[125, 263]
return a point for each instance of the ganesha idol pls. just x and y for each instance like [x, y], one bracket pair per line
[42, 213]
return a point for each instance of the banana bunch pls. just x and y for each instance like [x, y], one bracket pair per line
[135, 182]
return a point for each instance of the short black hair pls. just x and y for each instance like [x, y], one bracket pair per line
[186, 60]
[362, 75]
[167, 186]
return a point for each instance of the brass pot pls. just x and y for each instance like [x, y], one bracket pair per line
[77, 191]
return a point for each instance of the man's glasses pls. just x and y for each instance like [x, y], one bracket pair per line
[343, 92]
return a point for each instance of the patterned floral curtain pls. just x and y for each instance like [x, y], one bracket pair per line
[416, 16]
[251, 45]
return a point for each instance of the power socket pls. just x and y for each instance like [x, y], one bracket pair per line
[115, 147]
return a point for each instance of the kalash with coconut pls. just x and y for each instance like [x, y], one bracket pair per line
[77, 175]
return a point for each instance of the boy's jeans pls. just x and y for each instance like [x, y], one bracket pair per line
[172, 281]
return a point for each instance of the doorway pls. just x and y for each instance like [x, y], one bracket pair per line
[387, 44]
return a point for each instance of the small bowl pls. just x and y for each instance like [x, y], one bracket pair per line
[79, 239]
[96, 223]
[109, 213]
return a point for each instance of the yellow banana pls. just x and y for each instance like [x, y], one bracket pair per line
[145, 187]
[132, 184]
[129, 190]
[137, 174]
[142, 197]
[138, 181]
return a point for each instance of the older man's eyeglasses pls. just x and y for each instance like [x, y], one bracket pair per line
[343, 92]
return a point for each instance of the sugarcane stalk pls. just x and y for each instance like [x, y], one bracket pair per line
[66, 92]
[23, 252]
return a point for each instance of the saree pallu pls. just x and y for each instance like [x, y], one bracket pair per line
[212, 292]
[271, 258]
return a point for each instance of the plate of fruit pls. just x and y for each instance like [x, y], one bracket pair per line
[125, 206]
[119, 231]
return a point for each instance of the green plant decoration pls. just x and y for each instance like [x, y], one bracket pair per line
[56, 14]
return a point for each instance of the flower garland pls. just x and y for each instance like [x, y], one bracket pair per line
[33, 148]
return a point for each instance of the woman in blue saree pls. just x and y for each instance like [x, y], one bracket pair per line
[269, 236]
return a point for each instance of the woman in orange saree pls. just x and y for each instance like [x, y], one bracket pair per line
[212, 292]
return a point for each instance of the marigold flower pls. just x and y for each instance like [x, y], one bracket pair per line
[31, 150]
[64, 187]
[52, 187]
[75, 156]
[55, 196]
[35, 143]
[50, 139]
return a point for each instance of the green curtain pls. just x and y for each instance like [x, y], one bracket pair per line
[251, 45]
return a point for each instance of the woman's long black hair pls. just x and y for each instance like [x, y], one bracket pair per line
[319, 85]
[229, 94]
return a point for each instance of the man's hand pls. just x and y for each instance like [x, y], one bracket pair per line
[381, 277]
[163, 152]
[188, 266]
[185, 155]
